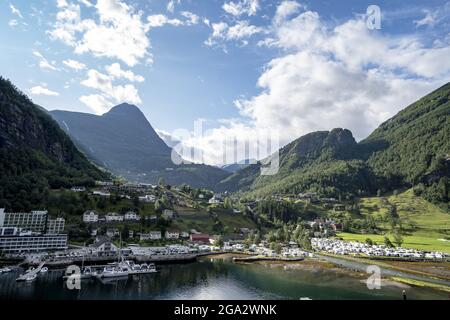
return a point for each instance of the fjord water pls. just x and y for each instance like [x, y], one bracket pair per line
[213, 279]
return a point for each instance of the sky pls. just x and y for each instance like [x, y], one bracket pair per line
[240, 68]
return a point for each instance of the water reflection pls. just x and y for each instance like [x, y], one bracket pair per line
[212, 279]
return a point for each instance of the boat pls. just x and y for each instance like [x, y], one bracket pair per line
[31, 277]
[5, 270]
[143, 269]
[44, 270]
[114, 272]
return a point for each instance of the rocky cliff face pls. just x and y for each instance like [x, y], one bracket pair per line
[35, 154]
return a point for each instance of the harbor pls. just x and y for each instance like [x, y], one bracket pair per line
[213, 277]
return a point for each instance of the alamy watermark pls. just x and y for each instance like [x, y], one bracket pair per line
[73, 274]
[373, 282]
[261, 144]
[373, 16]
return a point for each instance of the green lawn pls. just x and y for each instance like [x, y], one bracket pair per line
[414, 242]
[433, 224]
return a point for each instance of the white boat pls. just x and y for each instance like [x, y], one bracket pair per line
[116, 272]
[144, 269]
[31, 277]
[44, 270]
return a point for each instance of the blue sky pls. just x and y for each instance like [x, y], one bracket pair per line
[240, 65]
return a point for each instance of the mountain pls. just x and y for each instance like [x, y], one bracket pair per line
[413, 147]
[123, 141]
[35, 154]
[323, 161]
[410, 149]
[233, 167]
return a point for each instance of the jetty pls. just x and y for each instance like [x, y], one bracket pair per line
[30, 274]
[260, 258]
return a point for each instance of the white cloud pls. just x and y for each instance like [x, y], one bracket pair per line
[435, 16]
[159, 20]
[223, 32]
[330, 76]
[192, 18]
[12, 23]
[44, 63]
[109, 36]
[238, 8]
[109, 93]
[86, 3]
[61, 3]
[75, 65]
[42, 90]
[116, 72]
[286, 9]
[15, 11]
[97, 102]
[171, 5]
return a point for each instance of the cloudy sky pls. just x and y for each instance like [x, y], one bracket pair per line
[240, 67]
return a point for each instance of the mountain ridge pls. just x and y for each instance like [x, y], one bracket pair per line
[35, 154]
[124, 141]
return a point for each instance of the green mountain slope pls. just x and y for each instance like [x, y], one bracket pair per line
[123, 141]
[414, 146]
[325, 162]
[411, 149]
[35, 154]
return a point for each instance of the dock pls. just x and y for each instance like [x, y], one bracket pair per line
[31, 273]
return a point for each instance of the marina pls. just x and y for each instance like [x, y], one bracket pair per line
[211, 277]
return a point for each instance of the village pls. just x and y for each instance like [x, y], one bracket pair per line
[156, 236]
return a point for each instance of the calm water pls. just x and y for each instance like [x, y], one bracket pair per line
[212, 279]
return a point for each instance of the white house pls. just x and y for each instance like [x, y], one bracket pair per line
[112, 233]
[78, 189]
[172, 235]
[149, 198]
[90, 216]
[101, 193]
[113, 217]
[132, 216]
[103, 245]
[152, 235]
[168, 214]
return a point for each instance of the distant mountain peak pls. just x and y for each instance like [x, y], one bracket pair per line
[124, 108]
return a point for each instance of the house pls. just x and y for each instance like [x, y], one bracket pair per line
[131, 234]
[94, 232]
[90, 216]
[113, 217]
[184, 235]
[104, 246]
[148, 198]
[101, 193]
[168, 214]
[112, 233]
[104, 183]
[131, 216]
[152, 235]
[199, 238]
[78, 189]
[214, 200]
[172, 234]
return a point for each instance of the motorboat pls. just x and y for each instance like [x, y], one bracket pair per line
[114, 272]
[5, 270]
[31, 277]
[44, 270]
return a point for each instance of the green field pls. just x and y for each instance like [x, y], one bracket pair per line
[414, 242]
[199, 219]
[432, 223]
